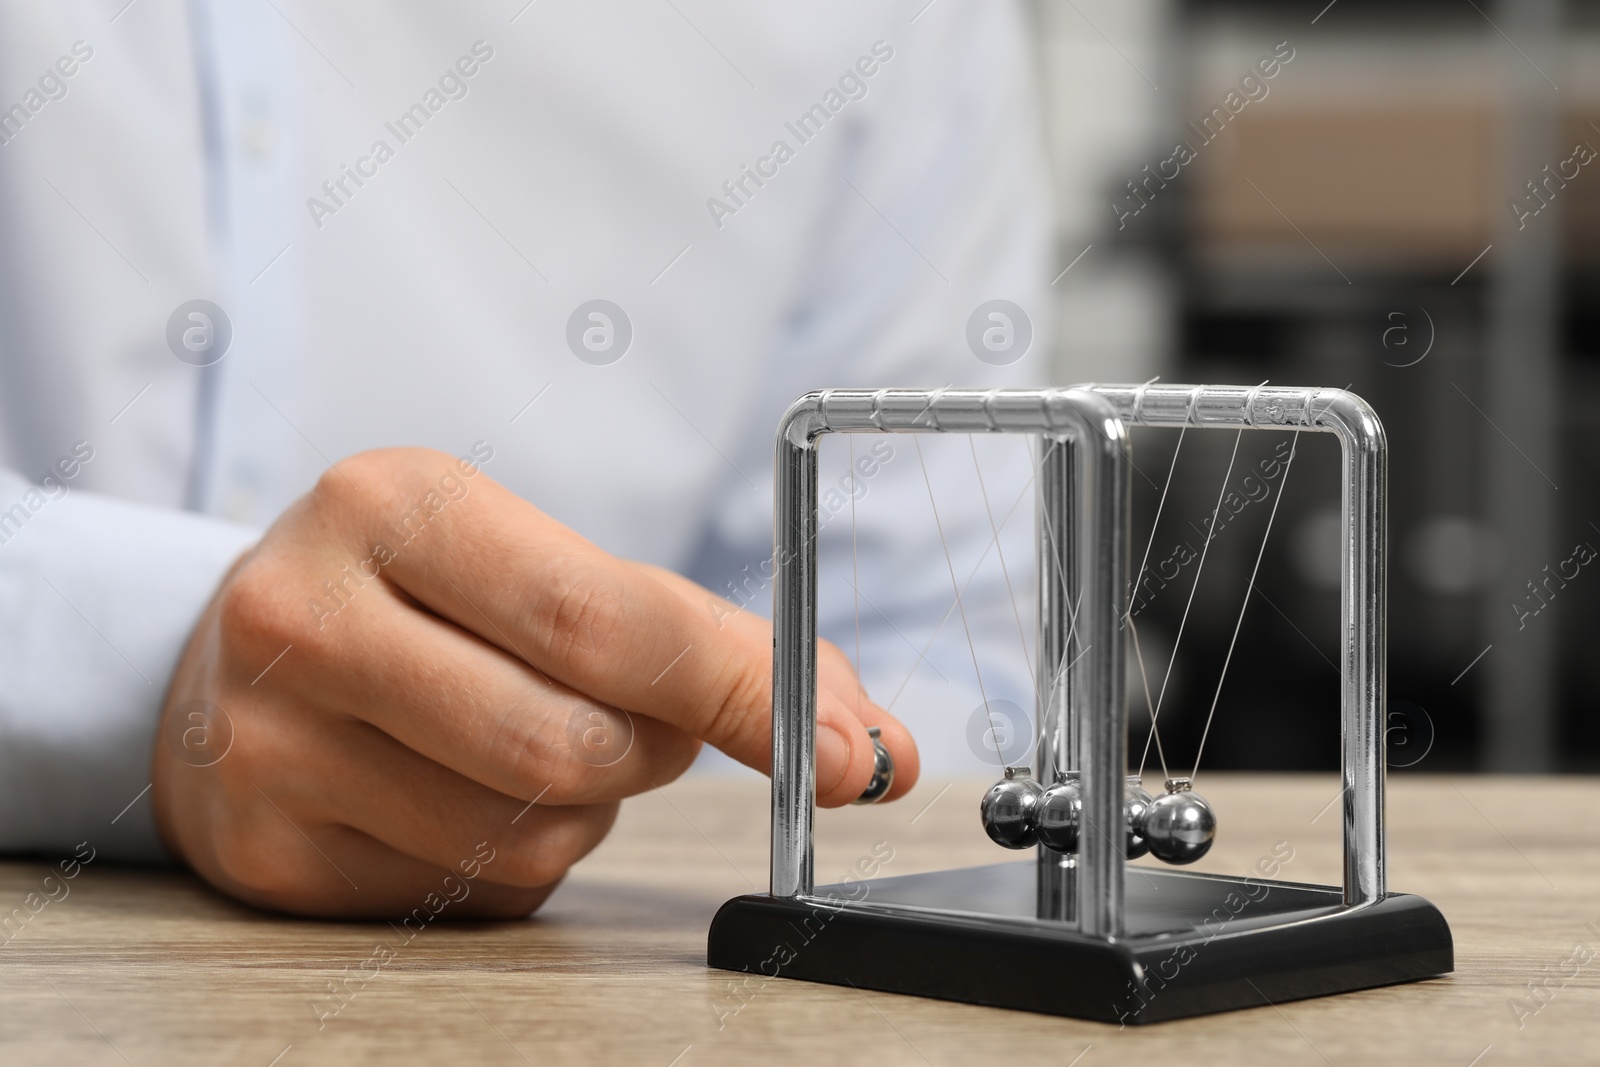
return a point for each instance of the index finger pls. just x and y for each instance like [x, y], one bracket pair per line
[487, 560]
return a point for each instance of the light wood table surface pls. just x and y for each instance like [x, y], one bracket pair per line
[151, 968]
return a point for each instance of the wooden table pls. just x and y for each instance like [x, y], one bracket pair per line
[152, 968]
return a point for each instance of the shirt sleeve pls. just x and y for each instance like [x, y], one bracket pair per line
[940, 205]
[97, 600]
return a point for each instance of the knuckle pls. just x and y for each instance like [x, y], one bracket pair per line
[548, 852]
[352, 485]
[510, 902]
[251, 608]
[250, 860]
[371, 482]
[244, 833]
[538, 865]
[520, 736]
[746, 690]
[673, 753]
[578, 621]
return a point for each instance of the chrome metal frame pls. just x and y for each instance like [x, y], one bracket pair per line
[1363, 575]
[1085, 466]
[1083, 530]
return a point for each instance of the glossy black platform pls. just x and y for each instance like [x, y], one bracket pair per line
[1196, 943]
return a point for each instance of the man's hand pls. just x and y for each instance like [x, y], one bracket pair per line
[419, 670]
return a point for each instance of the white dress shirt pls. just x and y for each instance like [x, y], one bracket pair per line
[421, 293]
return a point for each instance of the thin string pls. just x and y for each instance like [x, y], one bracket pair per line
[1288, 464]
[1004, 521]
[1022, 633]
[1145, 678]
[1138, 651]
[1204, 549]
[955, 585]
[865, 599]
[923, 655]
[1159, 509]
[1072, 608]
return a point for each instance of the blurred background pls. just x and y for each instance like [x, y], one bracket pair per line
[1409, 206]
[1400, 198]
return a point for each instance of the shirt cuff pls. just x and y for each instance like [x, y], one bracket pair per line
[97, 600]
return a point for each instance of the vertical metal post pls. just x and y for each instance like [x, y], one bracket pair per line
[794, 650]
[1364, 643]
[1084, 512]
[1102, 513]
[1057, 743]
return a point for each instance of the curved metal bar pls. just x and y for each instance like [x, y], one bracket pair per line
[1363, 584]
[1098, 446]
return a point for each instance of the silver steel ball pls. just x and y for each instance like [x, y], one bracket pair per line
[1179, 825]
[1008, 809]
[1058, 815]
[882, 771]
[1136, 802]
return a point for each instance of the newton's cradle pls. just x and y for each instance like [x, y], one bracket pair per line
[1067, 932]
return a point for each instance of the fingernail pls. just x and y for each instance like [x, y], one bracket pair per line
[833, 758]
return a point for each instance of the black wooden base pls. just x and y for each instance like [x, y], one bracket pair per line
[1196, 943]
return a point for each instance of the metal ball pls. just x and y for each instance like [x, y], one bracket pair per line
[1136, 802]
[1179, 825]
[1057, 816]
[882, 771]
[1008, 809]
